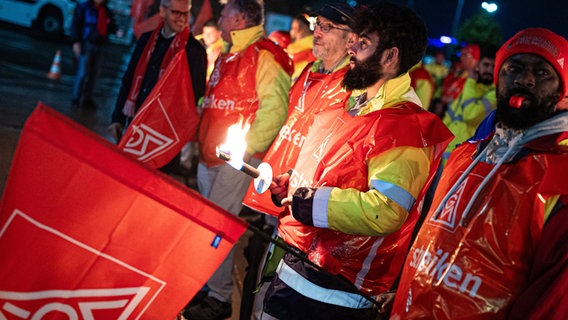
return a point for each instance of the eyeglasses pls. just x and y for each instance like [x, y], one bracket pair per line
[326, 27]
[179, 14]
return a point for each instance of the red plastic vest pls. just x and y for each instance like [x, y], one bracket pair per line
[478, 270]
[311, 94]
[335, 154]
[231, 96]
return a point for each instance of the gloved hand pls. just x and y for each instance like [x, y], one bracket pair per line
[115, 130]
[302, 204]
[279, 189]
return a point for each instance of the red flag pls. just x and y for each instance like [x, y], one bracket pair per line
[205, 13]
[87, 233]
[167, 119]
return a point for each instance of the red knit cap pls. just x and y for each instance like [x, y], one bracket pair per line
[543, 42]
[472, 49]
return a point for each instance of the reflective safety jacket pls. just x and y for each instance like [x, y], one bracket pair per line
[465, 113]
[439, 72]
[473, 255]
[313, 93]
[371, 168]
[249, 83]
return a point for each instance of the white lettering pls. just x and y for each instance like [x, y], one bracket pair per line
[291, 135]
[210, 102]
[444, 272]
[469, 278]
[440, 264]
[454, 274]
[297, 180]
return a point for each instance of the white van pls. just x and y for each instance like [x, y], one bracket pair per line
[52, 17]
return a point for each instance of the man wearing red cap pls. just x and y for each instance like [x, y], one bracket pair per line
[453, 84]
[493, 245]
[475, 102]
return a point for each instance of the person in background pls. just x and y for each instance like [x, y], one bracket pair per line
[211, 38]
[249, 84]
[280, 37]
[317, 90]
[439, 71]
[475, 102]
[494, 244]
[353, 196]
[423, 84]
[92, 23]
[300, 48]
[151, 57]
[453, 83]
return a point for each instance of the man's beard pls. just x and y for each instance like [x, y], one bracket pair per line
[533, 110]
[486, 79]
[365, 73]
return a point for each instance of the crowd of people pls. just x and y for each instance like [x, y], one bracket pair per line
[402, 190]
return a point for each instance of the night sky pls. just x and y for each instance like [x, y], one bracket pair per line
[513, 15]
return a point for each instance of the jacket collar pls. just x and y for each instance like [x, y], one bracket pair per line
[391, 93]
[243, 38]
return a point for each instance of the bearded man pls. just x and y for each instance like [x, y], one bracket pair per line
[475, 102]
[353, 196]
[494, 244]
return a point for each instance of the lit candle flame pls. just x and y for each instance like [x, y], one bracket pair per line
[235, 144]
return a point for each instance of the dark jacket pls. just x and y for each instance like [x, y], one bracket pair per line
[84, 25]
[196, 58]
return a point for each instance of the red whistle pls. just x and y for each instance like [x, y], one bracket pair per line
[516, 101]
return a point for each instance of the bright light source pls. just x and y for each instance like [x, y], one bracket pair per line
[235, 145]
[445, 40]
[489, 7]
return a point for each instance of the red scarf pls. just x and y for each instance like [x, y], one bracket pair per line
[177, 44]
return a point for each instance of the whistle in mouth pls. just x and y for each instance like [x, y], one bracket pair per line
[516, 102]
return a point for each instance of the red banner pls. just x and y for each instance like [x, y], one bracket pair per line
[167, 119]
[87, 233]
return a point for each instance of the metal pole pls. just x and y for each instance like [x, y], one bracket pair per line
[457, 16]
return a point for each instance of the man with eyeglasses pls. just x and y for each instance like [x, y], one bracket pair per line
[154, 51]
[317, 89]
[249, 84]
[353, 196]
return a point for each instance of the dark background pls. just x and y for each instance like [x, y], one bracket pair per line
[513, 15]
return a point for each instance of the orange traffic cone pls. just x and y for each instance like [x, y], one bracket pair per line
[55, 71]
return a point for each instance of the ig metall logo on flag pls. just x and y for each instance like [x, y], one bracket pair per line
[152, 135]
[47, 274]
